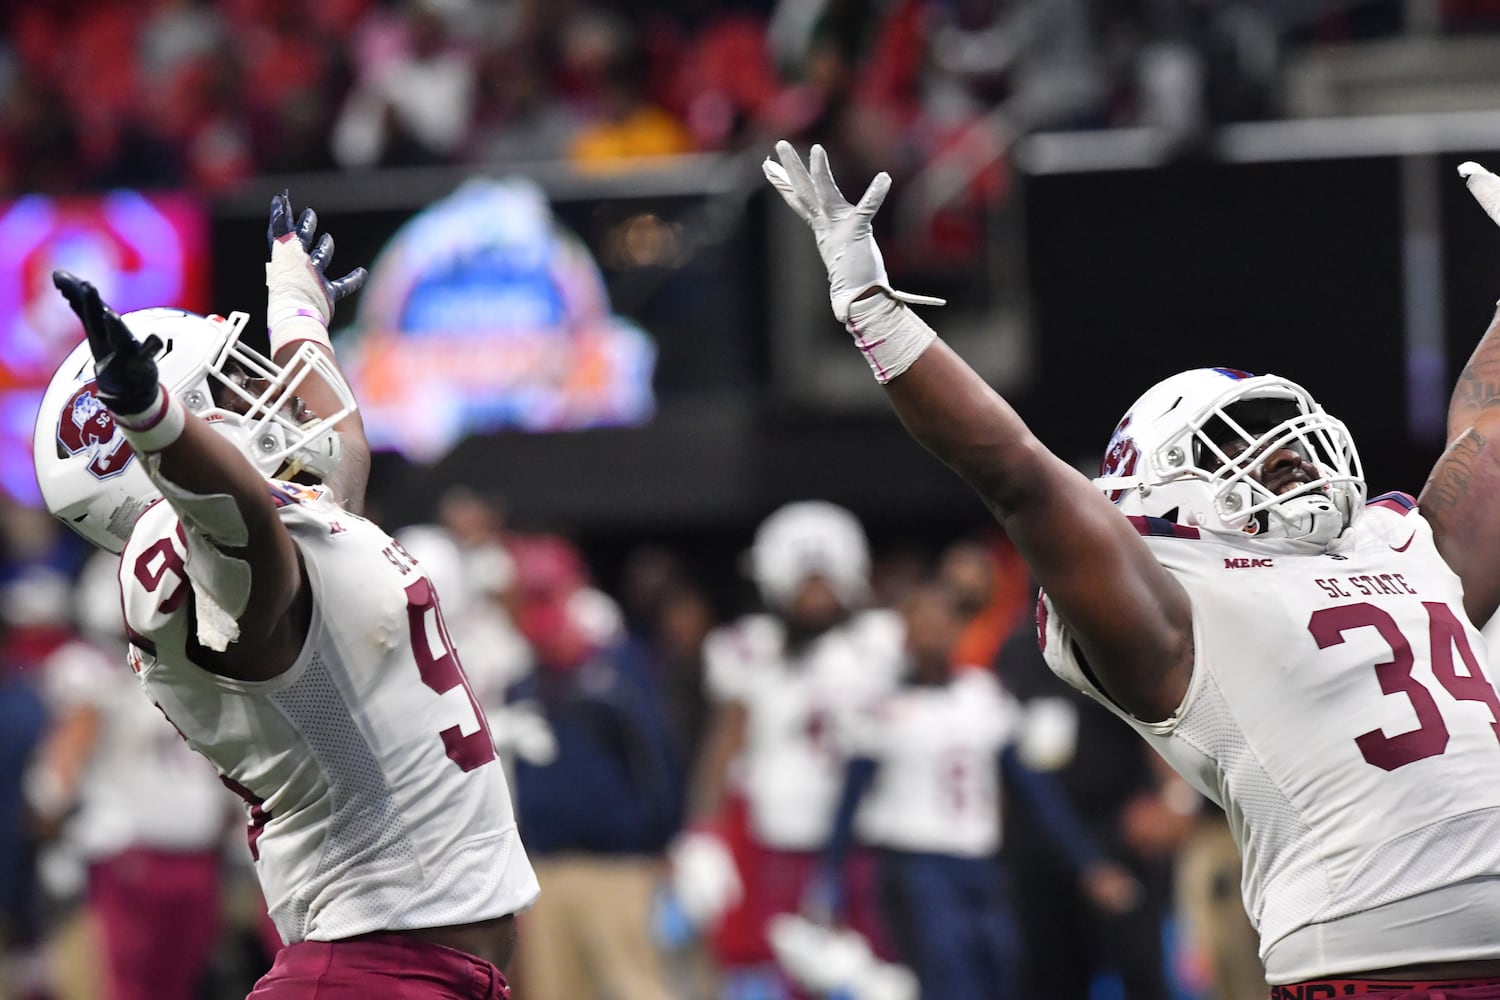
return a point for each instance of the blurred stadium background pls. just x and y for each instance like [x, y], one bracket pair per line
[588, 316]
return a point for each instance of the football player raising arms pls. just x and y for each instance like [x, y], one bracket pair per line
[1307, 658]
[291, 642]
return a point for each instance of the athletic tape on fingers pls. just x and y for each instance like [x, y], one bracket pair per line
[1484, 186]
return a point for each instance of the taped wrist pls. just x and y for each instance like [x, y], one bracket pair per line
[155, 427]
[297, 306]
[888, 334]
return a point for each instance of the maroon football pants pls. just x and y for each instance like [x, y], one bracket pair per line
[379, 967]
[1390, 989]
[158, 916]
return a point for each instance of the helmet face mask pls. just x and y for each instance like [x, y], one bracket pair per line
[1192, 450]
[90, 477]
[253, 401]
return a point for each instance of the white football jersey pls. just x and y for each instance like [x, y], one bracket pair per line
[375, 798]
[937, 790]
[143, 786]
[791, 768]
[1341, 712]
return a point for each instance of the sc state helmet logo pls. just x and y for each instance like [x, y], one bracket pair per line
[1121, 458]
[87, 425]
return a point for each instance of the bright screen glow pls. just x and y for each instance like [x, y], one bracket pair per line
[138, 249]
[483, 312]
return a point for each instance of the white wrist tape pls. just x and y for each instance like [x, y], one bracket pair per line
[297, 307]
[303, 325]
[156, 427]
[1484, 186]
[889, 335]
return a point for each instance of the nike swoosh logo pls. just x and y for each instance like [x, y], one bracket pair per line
[1405, 545]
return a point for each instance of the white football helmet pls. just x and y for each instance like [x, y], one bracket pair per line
[1187, 451]
[88, 474]
[810, 538]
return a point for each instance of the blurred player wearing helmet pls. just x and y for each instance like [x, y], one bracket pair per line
[126, 797]
[293, 643]
[1305, 659]
[784, 682]
[923, 785]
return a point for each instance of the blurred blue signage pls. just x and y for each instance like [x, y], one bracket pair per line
[483, 313]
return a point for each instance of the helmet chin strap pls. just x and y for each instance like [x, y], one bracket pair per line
[318, 458]
[1313, 517]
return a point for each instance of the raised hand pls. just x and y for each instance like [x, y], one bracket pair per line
[124, 368]
[843, 231]
[1484, 186]
[297, 275]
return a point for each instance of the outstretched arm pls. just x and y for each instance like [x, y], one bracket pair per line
[1108, 885]
[299, 306]
[704, 875]
[52, 780]
[246, 562]
[823, 897]
[707, 785]
[1459, 498]
[250, 604]
[1132, 619]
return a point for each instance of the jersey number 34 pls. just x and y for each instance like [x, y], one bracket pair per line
[1446, 635]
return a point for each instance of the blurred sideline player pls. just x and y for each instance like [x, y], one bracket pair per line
[129, 799]
[768, 776]
[991, 586]
[292, 642]
[1134, 812]
[1217, 931]
[1307, 661]
[495, 654]
[923, 784]
[598, 814]
[23, 723]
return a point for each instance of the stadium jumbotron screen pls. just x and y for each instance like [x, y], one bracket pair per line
[483, 312]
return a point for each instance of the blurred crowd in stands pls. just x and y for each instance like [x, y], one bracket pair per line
[207, 93]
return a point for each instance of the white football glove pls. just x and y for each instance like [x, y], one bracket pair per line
[704, 878]
[842, 230]
[1484, 186]
[831, 961]
[1049, 733]
[521, 728]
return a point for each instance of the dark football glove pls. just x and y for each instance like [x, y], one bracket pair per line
[320, 254]
[124, 368]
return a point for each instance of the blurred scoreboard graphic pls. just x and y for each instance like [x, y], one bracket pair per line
[138, 249]
[482, 313]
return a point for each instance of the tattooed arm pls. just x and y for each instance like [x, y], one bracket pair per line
[1478, 387]
[1460, 498]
